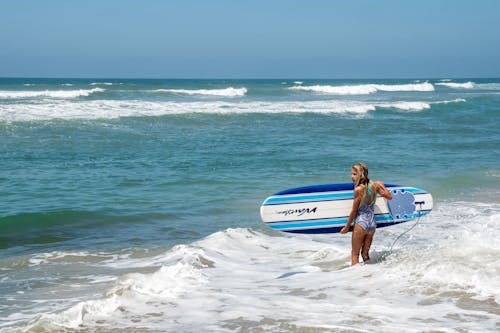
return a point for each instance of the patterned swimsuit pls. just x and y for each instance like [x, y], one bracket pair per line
[365, 217]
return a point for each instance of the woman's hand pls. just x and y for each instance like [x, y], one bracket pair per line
[344, 230]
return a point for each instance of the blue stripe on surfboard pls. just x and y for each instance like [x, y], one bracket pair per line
[331, 230]
[324, 188]
[288, 199]
[304, 224]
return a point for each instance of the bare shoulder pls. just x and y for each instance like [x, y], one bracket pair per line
[358, 190]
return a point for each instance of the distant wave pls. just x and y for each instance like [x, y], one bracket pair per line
[227, 92]
[101, 83]
[457, 100]
[417, 106]
[488, 86]
[5, 94]
[456, 85]
[407, 106]
[365, 89]
[109, 109]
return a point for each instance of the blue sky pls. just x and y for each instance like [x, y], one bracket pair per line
[250, 39]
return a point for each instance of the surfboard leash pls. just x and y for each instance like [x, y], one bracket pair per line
[420, 203]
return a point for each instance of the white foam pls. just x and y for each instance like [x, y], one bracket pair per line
[110, 109]
[71, 257]
[58, 94]
[418, 106]
[408, 106]
[101, 83]
[227, 92]
[365, 89]
[456, 85]
[445, 270]
[488, 86]
[456, 100]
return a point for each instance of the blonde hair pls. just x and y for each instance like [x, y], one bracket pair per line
[362, 179]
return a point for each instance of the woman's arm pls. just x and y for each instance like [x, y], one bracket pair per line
[354, 209]
[382, 190]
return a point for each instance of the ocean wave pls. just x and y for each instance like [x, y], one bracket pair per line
[418, 106]
[488, 86]
[59, 94]
[227, 92]
[244, 276]
[110, 109]
[457, 85]
[365, 89]
[470, 85]
[407, 106]
[72, 257]
[456, 100]
[101, 83]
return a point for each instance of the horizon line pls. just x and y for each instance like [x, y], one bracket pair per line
[248, 78]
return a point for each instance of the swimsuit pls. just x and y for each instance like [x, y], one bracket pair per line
[365, 217]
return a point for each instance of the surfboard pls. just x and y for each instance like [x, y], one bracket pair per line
[325, 208]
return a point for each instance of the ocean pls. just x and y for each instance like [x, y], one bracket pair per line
[132, 205]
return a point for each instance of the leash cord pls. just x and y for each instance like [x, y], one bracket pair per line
[405, 232]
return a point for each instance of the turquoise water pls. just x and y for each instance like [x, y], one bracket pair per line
[107, 181]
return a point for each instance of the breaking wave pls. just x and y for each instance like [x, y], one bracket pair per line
[110, 109]
[227, 92]
[58, 94]
[247, 277]
[365, 89]
[456, 85]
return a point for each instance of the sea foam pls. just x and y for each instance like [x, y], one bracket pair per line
[58, 94]
[257, 281]
[407, 106]
[456, 85]
[110, 109]
[365, 89]
[227, 92]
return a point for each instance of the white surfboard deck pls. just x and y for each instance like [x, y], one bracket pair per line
[325, 208]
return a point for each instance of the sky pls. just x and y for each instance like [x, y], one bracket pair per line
[250, 39]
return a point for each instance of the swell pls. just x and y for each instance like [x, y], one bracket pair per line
[40, 227]
[57, 226]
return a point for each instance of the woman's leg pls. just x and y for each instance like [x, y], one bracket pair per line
[367, 242]
[358, 236]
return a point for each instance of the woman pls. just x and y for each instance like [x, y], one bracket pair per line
[362, 212]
